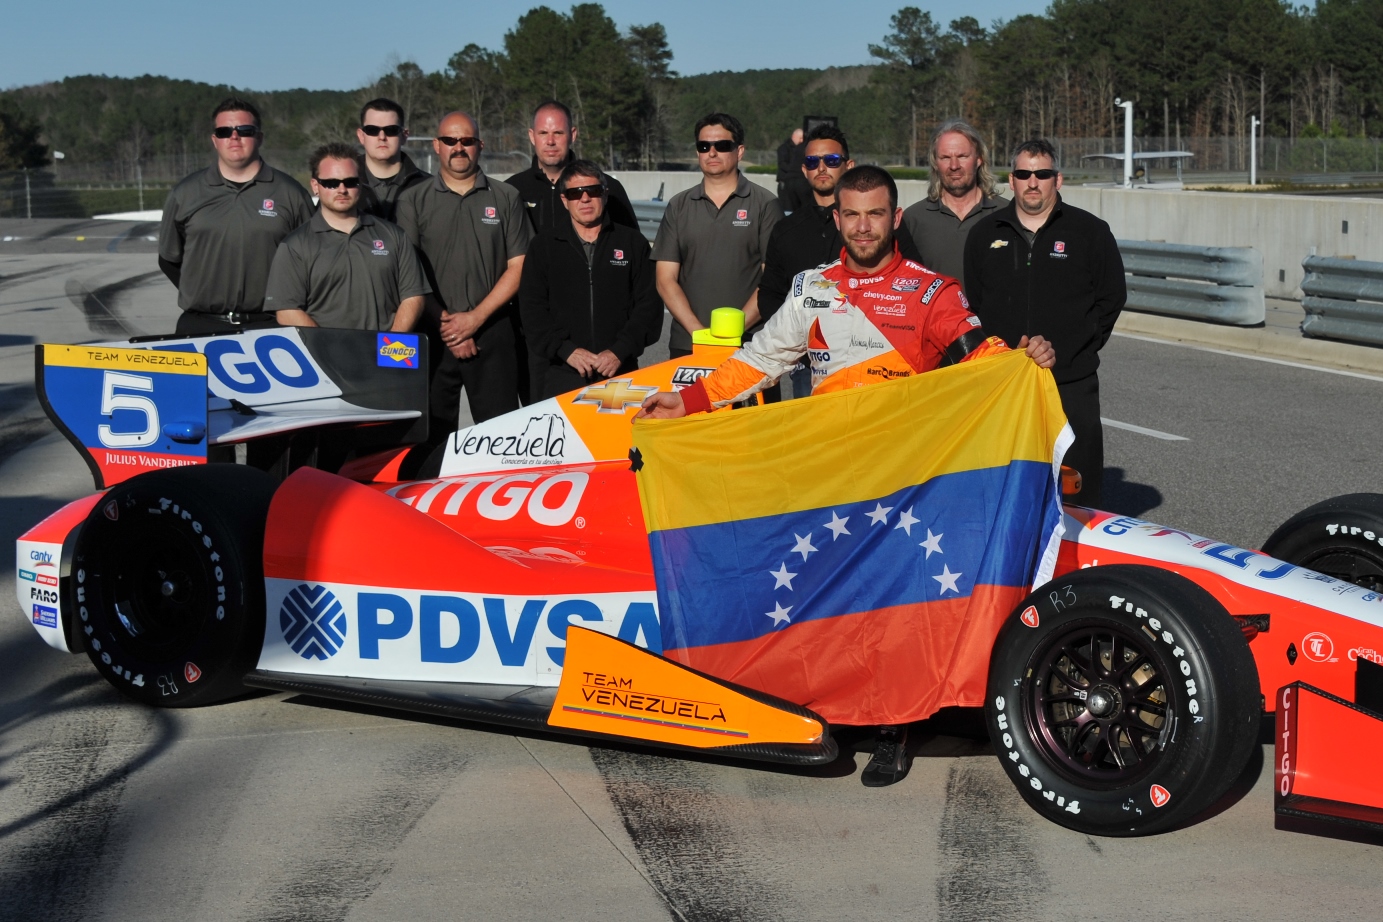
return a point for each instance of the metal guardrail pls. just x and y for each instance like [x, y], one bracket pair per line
[1218, 284]
[650, 214]
[1343, 299]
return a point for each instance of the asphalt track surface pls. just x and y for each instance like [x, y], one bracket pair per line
[285, 807]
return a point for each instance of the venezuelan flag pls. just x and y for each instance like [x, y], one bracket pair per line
[857, 552]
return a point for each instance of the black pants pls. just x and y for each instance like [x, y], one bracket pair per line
[1081, 401]
[561, 379]
[199, 323]
[490, 378]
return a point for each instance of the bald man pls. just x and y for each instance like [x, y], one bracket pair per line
[472, 235]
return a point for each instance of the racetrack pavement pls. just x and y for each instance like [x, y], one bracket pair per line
[284, 807]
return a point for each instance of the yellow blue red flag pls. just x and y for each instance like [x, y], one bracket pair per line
[857, 552]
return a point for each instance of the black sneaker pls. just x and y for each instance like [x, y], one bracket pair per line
[890, 763]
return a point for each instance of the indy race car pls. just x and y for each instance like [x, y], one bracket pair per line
[503, 575]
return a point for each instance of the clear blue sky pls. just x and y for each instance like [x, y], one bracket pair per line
[341, 45]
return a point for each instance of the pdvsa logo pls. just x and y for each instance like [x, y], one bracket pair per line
[313, 622]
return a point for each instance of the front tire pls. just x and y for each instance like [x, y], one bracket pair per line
[1123, 700]
[170, 583]
[1340, 537]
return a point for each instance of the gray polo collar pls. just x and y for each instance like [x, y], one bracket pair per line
[440, 184]
[214, 177]
[320, 226]
[741, 188]
[987, 203]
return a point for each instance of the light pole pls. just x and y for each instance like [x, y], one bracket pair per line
[1253, 149]
[1128, 140]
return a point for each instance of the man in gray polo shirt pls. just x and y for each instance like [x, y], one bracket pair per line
[472, 234]
[711, 245]
[960, 192]
[222, 225]
[345, 269]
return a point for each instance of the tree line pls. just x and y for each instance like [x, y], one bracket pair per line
[1194, 68]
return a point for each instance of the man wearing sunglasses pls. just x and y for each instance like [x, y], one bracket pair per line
[222, 225]
[344, 268]
[472, 234]
[712, 242]
[385, 169]
[589, 302]
[1043, 267]
[808, 237]
[960, 191]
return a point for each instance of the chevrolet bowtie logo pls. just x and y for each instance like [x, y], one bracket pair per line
[614, 396]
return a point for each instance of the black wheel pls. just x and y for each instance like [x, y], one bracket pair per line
[1340, 537]
[1123, 700]
[170, 582]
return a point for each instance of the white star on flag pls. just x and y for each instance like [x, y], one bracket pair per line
[779, 614]
[947, 579]
[906, 520]
[837, 525]
[781, 577]
[804, 545]
[933, 543]
[880, 514]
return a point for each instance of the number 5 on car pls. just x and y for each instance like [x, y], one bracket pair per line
[126, 410]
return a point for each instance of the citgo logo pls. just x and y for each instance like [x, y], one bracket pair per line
[313, 622]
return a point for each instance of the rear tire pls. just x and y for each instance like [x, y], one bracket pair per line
[169, 583]
[1340, 537]
[1123, 700]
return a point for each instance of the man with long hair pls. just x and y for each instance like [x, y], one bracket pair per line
[960, 191]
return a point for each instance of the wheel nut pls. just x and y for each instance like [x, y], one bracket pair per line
[167, 588]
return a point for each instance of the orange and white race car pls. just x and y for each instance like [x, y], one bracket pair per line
[505, 576]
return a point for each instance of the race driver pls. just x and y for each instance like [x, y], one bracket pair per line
[870, 316]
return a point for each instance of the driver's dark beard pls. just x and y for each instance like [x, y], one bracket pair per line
[885, 250]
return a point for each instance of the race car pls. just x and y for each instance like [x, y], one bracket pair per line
[503, 575]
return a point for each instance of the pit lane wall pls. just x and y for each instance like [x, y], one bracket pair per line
[1284, 228]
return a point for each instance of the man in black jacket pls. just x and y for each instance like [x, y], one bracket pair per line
[808, 237]
[590, 305]
[1042, 267]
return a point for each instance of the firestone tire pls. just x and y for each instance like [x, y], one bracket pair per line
[170, 583]
[1340, 537]
[1123, 700]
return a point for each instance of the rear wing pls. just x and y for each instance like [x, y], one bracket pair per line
[160, 402]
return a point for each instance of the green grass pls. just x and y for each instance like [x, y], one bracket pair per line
[63, 202]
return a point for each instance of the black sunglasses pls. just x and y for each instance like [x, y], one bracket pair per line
[390, 131]
[1028, 174]
[245, 131]
[350, 182]
[452, 142]
[724, 145]
[832, 161]
[574, 193]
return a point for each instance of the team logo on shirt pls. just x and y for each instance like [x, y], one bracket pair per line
[997, 244]
[489, 211]
[379, 249]
[741, 218]
[906, 284]
[1058, 250]
[619, 254]
[267, 208]
[491, 216]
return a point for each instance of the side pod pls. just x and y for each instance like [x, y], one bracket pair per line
[1327, 756]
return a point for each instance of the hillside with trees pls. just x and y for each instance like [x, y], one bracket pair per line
[1195, 69]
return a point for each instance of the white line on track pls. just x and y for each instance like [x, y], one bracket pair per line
[1165, 436]
[1249, 355]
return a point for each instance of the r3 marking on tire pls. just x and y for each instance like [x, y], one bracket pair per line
[1006, 738]
[1062, 597]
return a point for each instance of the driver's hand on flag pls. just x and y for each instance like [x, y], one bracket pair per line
[1038, 349]
[663, 405]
